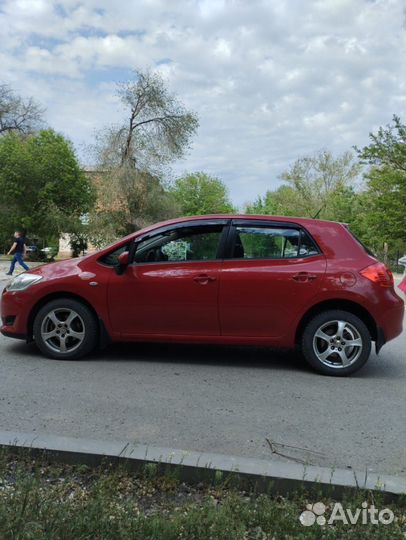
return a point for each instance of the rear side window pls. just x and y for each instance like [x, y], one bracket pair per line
[271, 243]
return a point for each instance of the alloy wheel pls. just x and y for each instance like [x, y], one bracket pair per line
[337, 344]
[63, 330]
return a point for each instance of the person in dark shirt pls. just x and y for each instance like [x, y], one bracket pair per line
[19, 250]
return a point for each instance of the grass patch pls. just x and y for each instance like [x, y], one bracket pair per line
[39, 500]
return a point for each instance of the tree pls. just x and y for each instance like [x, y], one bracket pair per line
[314, 179]
[43, 188]
[198, 193]
[133, 155]
[384, 216]
[387, 147]
[315, 186]
[119, 212]
[157, 130]
[284, 201]
[385, 194]
[18, 114]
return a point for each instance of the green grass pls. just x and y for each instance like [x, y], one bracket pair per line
[43, 501]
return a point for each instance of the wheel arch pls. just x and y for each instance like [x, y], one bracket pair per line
[345, 305]
[103, 337]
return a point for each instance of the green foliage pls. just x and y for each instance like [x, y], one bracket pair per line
[78, 243]
[157, 130]
[316, 186]
[384, 209]
[384, 197]
[199, 194]
[315, 179]
[148, 200]
[127, 201]
[43, 189]
[281, 202]
[61, 502]
[387, 147]
[347, 205]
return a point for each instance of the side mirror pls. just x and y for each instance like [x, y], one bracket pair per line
[123, 260]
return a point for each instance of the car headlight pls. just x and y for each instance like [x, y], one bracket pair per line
[23, 281]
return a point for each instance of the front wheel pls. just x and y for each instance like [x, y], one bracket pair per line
[336, 343]
[65, 329]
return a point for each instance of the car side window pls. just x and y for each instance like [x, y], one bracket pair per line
[307, 246]
[181, 244]
[271, 243]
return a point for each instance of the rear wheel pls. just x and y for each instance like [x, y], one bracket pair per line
[336, 343]
[65, 329]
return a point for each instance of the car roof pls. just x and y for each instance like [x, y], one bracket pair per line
[259, 217]
[333, 237]
[207, 217]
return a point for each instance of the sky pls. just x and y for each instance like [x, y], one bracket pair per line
[270, 80]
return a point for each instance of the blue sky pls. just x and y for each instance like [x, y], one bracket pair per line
[270, 80]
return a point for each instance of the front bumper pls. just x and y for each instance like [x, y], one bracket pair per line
[15, 308]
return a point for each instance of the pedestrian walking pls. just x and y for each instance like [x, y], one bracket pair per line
[19, 250]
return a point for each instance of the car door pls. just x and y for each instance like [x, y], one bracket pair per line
[271, 273]
[171, 288]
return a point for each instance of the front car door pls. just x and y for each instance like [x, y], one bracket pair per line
[271, 273]
[171, 288]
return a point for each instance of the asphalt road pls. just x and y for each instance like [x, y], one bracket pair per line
[221, 399]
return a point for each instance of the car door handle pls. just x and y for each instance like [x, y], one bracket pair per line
[302, 277]
[203, 279]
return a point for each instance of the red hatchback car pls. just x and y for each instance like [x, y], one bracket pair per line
[276, 281]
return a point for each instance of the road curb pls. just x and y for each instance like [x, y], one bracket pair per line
[264, 476]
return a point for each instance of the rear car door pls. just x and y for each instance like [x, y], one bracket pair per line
[171, 288]
[272, 272]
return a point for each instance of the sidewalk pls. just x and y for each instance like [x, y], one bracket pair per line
[5, 266]
[265, 475]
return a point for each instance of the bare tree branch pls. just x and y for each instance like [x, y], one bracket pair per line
[17, 114]
[158, 129]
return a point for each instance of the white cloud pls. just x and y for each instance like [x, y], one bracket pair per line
[271, 80]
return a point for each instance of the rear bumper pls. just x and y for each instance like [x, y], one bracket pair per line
[390, 323]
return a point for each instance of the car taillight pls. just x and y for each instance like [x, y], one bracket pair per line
[378, 273]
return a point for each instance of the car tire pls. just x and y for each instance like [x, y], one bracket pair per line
[65, 329]
[336, 342]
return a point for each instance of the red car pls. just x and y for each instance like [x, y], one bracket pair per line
[261, 280]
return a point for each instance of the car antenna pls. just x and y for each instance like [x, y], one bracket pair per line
[316, 215]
